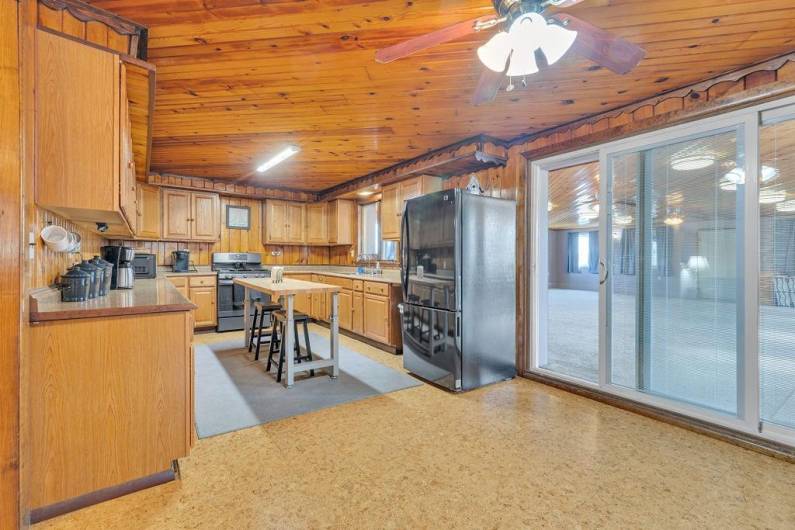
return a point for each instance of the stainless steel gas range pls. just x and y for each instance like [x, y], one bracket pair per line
[229, 266]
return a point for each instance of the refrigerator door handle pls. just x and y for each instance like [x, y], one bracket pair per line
[404, 254]
[458, 332]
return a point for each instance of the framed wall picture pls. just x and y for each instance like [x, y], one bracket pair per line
[238, 217]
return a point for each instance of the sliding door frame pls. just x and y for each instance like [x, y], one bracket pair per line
[747, 121]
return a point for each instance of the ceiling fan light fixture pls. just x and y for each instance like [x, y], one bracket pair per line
[771, 196]
[523, 62]
[557, 41]
[693, 162]
[494, 54]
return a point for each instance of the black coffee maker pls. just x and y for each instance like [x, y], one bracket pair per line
[180, 260]
[123, 276]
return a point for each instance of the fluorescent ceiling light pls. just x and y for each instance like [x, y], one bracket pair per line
[278, 158]
[786, 206]
[769, 196]
[527, 33]
[693, 162]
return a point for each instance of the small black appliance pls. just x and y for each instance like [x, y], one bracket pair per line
[145, 265]
[180, 260]
[121, 258]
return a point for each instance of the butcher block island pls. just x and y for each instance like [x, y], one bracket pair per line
[111, 405]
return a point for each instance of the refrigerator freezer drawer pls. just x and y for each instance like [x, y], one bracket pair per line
[431, 346]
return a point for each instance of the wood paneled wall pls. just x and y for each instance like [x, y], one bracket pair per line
[245, 241]
[771, 79]
[10, 264]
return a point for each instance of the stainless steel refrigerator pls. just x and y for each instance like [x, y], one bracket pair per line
[458, 269]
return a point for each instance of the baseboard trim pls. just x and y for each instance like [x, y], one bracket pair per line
[105, 494]
[739, 438]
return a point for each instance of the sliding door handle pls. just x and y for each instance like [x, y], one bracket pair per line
[604, 273]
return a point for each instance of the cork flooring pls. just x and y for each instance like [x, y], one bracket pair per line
[512, 455]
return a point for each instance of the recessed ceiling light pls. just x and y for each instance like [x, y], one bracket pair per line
[769, 196]
[786, 206]
[278, 158]
[365, 193]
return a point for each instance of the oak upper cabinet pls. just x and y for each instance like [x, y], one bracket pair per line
[274, 222]
[296, 222]
[176, 214]
[205, 216]
[390, 216]
[191, 215]
[393, 201]
[148, 211]
[341, 222]
[283, 223]
[84, 162]
[316, 224]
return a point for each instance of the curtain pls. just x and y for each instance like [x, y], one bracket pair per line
[626, 263]
[664, 237]
[572, 253]
[593, 252]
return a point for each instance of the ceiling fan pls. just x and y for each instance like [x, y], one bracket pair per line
[525, 39]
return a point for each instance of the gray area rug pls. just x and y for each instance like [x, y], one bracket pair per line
[233, 391]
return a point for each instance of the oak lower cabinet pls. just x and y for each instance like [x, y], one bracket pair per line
[191, 215]
[345, 309]
[393, 201]
[357, 313]
[111, 401]
[376, 317]
[85, 170]
[202, 291]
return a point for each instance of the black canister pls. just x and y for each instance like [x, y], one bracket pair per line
[97, 275]
[107, 278]
[75, 285]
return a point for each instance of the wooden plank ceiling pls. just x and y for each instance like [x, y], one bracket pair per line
[238, 80]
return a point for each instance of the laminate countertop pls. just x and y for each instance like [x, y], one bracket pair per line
[148, 296]
[389, 275]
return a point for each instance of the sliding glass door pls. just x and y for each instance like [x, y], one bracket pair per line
[664, 269]
[675, 322]
[777, 268]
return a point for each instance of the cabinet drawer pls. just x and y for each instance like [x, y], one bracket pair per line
[340, 282]
[381, 289]
[178, 281]
[358, 285]
[202, 281]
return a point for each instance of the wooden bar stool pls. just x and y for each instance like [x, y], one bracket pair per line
[262, 309]
[278, 330]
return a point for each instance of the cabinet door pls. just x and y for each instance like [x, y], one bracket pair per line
[204, 298]
[176, 214]
[319, 307]
[274, 224]
[344, 308]
[408, 190]
[316, 224]
[296, 213]
[77, 126]
[390, 215]
[303, 303]
[341, 222]
[205, 216]
[357, 313]
[148, 211]
[376, 318]
[181, 283]
[127, 185]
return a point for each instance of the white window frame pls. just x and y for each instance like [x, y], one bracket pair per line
[749, 120]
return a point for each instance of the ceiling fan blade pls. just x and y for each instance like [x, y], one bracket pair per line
[488, 85]
[601, 47]
[411, 46]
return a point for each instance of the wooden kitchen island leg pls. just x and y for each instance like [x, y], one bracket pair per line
[335, 336]
[288, 337]
[247, 314]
